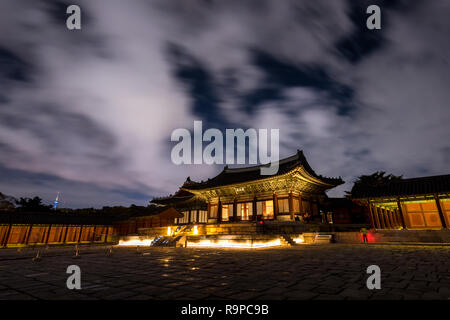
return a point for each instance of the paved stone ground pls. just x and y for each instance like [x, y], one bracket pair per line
[334, 271]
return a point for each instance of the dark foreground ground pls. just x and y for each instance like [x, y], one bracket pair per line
[333, 271]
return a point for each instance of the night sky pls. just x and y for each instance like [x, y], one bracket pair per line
[89, 113]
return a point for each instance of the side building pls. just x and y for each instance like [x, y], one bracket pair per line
[417, 203]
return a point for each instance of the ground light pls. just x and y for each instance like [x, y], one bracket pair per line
[298, 240]
[136, 242]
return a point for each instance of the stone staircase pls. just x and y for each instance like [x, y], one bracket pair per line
[286, 240]
[323, 238]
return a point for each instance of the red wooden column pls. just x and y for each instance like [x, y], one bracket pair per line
[397, 218]
[106, 234]
[208, 216]
[43, 235]
[93, 234]
[79, 236]
[235, 209]
[291, 206]
[391, 218]
[6, 239]
[380, 217]
[386, 217]
[377, 217]
[441, 213]
[65, 234]
[371, 215]
[48, 233]
[394, 218]
[29, 234]
[402, 214]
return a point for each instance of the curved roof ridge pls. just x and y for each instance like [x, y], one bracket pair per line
[259, 166]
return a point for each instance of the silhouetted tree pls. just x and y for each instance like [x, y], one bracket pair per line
[32, 204]
[375, 179]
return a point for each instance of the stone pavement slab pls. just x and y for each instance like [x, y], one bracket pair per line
[304, 272]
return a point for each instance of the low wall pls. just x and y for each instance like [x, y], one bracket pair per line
[401, 236]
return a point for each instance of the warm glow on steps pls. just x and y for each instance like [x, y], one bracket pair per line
[234, 244]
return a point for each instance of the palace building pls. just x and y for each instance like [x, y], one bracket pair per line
[416, 204]
[243, 194]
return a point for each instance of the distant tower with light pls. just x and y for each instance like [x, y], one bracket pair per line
[56, 202]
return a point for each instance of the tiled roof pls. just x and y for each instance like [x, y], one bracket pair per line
[237, 175]
[404, 187]
[179, 196]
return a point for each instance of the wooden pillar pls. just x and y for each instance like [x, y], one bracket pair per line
[43, 236]
[219, 211]
[397, 218]
[24, 235]
[61, 232]
[254, 209]
[93, 234]
[6, 239]
[27, 240]
[79, 236]
[291, 206]
[441, 212]
[380, 217]
[402, 214]
[65, 234]
[198, 215]
[235, 209]
[371, 215]
[106, 234]
[386, 217]
[391, 218]
[48, 233]
[394, 218]
[300, 205]
[275, 206]
[377, 217]
[209, 212]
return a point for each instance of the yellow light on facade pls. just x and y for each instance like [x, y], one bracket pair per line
[195, 230]
[234, 244]
[169, 231]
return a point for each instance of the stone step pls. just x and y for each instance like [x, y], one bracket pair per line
[287, 240]
[323, 238]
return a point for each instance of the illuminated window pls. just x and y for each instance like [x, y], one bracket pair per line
[267, 209]
[203, 216]
[213, 213]
[245, 210]
[225, 212]
[283, 205]
[296, 203]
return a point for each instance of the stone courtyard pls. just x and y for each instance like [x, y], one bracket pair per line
[303, 272]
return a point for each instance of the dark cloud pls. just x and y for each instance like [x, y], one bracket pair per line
[90, 113]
